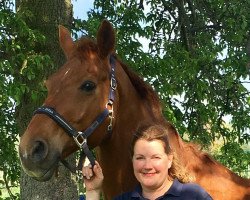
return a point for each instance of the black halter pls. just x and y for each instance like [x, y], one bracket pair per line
[80, 137]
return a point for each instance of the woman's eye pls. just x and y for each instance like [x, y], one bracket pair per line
[88, 86]
[156, 157]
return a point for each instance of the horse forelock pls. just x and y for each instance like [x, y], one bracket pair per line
[85, 47]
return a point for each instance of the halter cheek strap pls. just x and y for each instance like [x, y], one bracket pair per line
[80, 137]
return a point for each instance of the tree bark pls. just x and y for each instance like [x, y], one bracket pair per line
[45, 16]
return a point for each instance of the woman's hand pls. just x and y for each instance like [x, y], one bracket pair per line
[93, 178]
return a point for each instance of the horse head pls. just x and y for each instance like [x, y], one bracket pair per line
[78, 92]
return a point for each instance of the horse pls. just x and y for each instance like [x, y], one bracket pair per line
[79, 92]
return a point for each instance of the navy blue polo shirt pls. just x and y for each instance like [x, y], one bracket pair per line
[177, 191]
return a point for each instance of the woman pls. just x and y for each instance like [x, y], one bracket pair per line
[155, 167]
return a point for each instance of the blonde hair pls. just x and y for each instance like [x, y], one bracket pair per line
[150, 132]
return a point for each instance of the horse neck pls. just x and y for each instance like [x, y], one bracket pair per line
[202, 165]
[130, 108]
[114, 153]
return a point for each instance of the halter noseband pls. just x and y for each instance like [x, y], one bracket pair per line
[80, 137]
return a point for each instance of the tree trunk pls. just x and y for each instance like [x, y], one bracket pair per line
[45, 16]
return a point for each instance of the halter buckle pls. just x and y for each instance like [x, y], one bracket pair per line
[80, 140]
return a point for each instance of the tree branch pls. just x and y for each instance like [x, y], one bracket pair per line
[141, 5]
[182, 24]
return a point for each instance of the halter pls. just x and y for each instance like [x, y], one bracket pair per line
[80, 137]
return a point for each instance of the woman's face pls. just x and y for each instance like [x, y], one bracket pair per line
[151, 164]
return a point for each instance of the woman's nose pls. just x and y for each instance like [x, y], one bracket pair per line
[148, 164]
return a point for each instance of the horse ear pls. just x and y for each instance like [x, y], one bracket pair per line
[105, 39]
[66, 42]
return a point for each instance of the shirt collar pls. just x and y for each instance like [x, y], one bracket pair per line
[137, 193]
[174, 190]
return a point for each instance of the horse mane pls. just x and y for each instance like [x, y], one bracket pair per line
[213, 166]
[204, 156]
[145, 91]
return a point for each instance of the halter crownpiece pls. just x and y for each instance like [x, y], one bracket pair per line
[80, 137]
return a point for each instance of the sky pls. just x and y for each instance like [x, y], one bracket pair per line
[81, 7]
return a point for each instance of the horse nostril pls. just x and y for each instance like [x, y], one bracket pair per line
[39, 151]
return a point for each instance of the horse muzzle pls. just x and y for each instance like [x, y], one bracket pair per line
[37, 161]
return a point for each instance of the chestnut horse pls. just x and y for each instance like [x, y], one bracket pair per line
[79, 91]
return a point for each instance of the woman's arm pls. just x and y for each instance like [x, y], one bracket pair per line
[93, 195]
[93, 181]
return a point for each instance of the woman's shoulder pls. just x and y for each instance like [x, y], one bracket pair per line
[193, 188]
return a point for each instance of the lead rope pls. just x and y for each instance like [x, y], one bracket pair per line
[79, 177]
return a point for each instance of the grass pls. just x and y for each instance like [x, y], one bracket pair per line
[5, 195]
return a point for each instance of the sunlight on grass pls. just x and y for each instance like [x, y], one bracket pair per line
[5, 195]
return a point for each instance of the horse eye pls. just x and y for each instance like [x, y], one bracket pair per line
[88, 86]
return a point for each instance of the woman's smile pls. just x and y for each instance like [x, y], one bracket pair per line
[149, 174]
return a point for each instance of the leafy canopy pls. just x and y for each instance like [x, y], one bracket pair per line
[194, 53]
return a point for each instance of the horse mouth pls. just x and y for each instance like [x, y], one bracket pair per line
[47, 175]
[42, 175]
